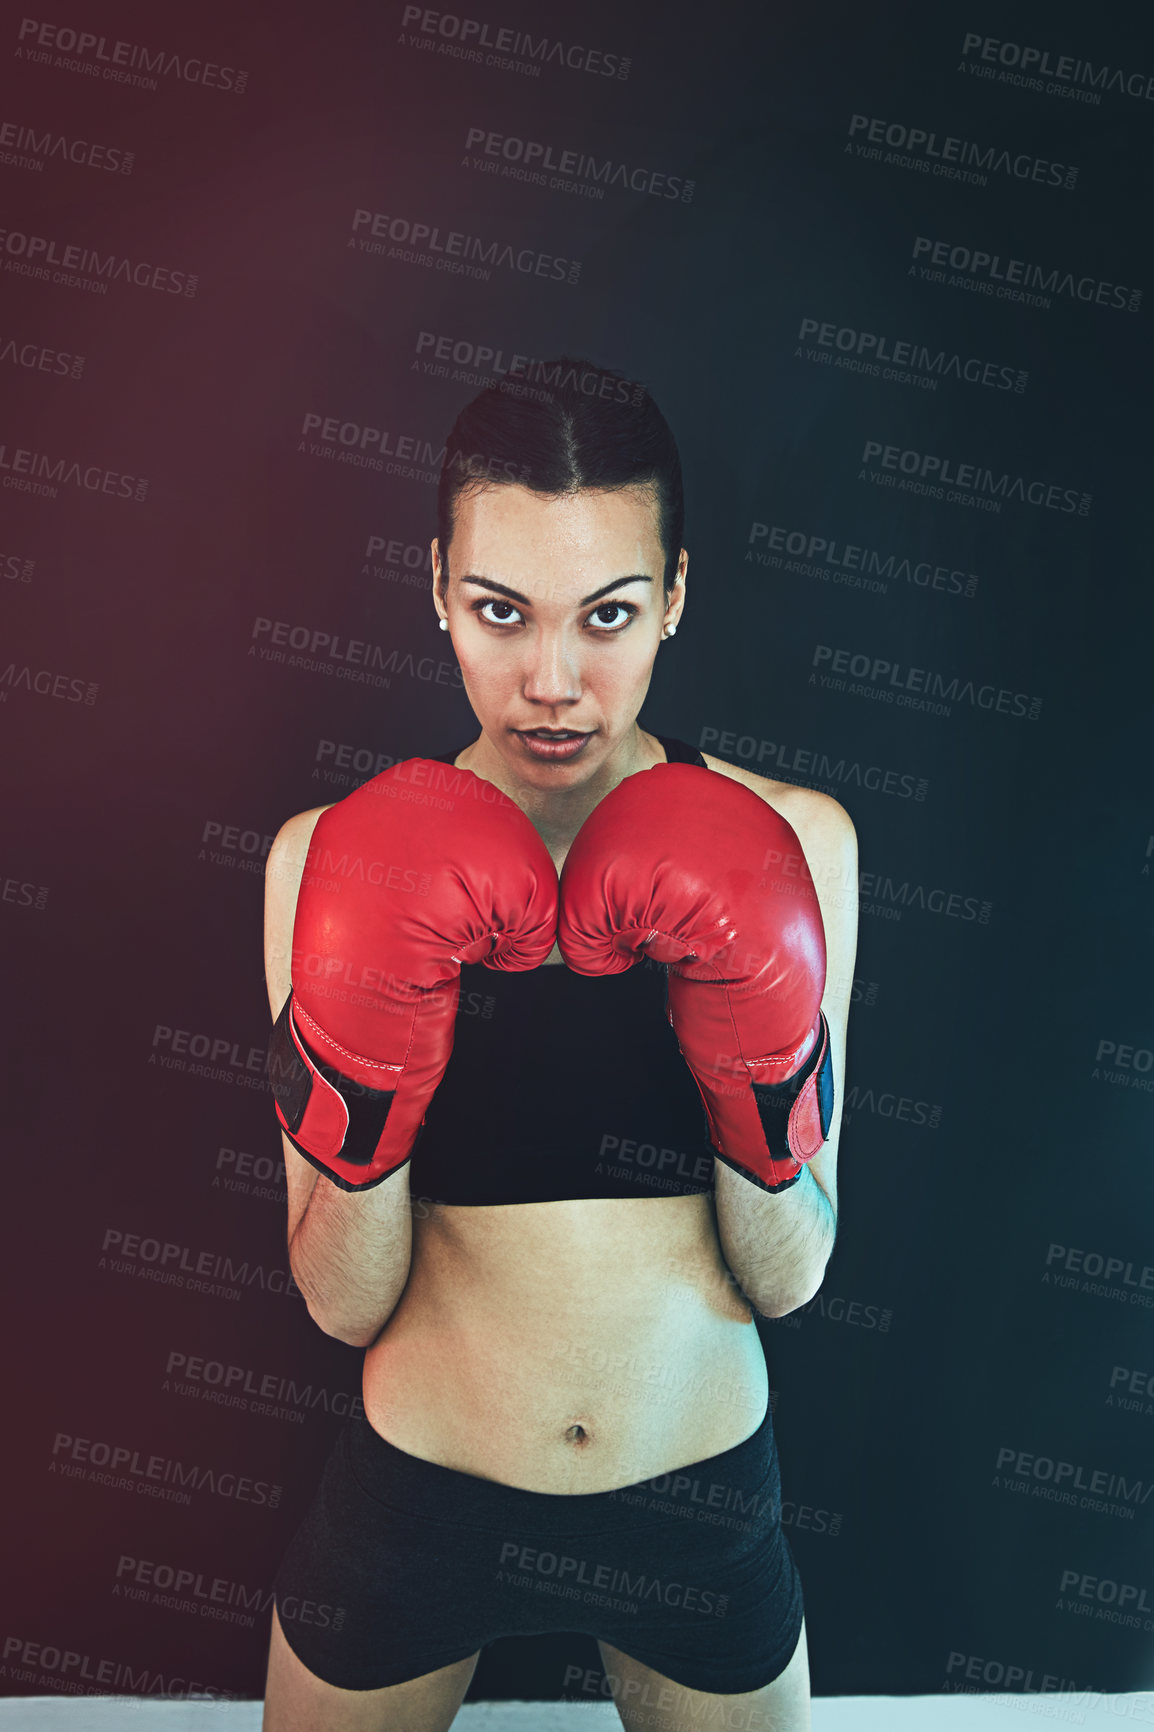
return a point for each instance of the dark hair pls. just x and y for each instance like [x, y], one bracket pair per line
[559, 426]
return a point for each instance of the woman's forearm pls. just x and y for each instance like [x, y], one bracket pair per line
[776, 1243]
[350, 1256]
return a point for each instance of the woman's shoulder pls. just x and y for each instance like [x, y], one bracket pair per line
[819, 819]
[283, 871]
[297, 830]
[284, 867]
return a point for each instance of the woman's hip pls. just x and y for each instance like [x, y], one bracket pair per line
[402, 1565]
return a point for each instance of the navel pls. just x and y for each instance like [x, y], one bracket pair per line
[578, 1436]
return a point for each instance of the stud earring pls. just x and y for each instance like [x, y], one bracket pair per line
[444, 624]
[669, 631]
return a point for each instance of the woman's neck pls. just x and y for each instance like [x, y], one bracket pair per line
[558, 813]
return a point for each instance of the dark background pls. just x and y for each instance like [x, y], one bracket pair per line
[996, 1151]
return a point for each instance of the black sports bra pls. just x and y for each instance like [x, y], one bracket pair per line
[564, 1085]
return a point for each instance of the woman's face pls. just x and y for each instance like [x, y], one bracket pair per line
[556, 609]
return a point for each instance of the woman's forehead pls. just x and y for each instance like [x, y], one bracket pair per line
[505, 504]
[499, 530]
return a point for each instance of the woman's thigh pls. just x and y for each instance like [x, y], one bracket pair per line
[296, 1700]
[647, 1702]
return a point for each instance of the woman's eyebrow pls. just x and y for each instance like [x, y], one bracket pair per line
[515, 595]
[637, 577]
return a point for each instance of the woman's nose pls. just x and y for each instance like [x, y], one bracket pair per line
[553, 673]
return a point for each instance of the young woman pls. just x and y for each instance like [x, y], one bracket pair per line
[501, 1179]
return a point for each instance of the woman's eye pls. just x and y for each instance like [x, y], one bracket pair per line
[503, 618]
[622, 611]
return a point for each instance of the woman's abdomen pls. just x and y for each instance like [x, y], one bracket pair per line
[568, 1347]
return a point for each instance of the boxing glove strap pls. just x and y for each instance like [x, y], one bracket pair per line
[796, 1115]
[333, 1121]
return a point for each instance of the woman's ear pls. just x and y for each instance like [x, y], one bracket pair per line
[676, 603]
[440, 582]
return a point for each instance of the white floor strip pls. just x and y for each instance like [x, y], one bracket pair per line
[955, 1713]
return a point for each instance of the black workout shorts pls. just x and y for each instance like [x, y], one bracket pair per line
[402, 1566]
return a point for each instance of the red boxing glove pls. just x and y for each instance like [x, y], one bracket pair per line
[684, 864]
[419, 870]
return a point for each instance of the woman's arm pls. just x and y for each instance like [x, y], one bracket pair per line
[778, 1245]
[348, 1250]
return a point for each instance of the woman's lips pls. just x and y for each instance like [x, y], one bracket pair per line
[552, 745]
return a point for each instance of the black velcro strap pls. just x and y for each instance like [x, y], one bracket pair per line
[775, 1100]
[825, 1088]
[292, 1084]
[289, 1075]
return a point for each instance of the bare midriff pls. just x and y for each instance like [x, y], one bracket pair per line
[567, 1346]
